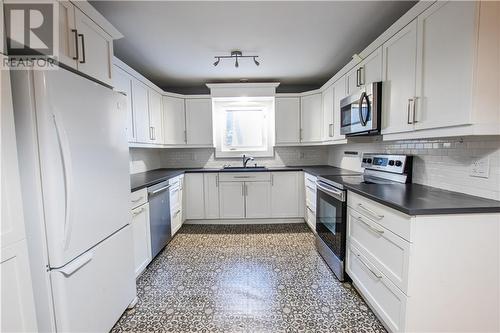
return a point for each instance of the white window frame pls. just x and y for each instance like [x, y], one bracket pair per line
[221, 105]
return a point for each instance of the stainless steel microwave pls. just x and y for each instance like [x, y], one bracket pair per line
[360, 113]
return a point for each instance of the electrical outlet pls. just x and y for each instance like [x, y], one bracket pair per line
[480, 167]
[301, 155]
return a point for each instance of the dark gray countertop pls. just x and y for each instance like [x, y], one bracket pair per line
[416, 199]
[152, 177]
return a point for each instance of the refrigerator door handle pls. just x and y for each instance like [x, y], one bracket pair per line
[61, 140]
[76, 264]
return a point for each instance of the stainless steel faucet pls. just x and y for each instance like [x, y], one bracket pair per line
[246, 159]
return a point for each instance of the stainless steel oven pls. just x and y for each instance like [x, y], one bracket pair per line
[331, 207]
[360, 113]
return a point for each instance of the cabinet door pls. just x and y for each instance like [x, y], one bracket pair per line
[311, 118]
[174, 121]
[141, 112]
[328, 109]
[67, 33]
[199, 122]
[287, 120]
[195, 205]
[155, 117]
[352, 81]
[122, 82]
[399, 71]
[339, 93]
[142, 238]
[211, 184]
[232, 200]
[285, 194]
[258, 199]
[95, 49]
[18, 305]
[371, 68]
[446, 45]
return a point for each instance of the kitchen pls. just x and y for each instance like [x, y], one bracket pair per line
[162, 172]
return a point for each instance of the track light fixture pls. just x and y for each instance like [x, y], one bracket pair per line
[236, 54]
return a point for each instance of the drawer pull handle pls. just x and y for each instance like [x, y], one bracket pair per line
[371, 212]
[310, 209]
[366, 265]
[138, 199]
[311, 188]
[378, 231]
[138, 212]
[243, 177]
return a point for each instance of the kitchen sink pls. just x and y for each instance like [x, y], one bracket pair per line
[250, 168]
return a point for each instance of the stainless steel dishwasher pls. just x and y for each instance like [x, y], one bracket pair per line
[159, 216]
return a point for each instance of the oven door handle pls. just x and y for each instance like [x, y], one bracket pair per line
[337, 194]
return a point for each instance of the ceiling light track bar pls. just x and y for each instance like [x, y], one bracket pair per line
[235, 55]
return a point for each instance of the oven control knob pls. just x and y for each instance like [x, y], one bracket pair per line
[391, 162]
[364, 160]
[369, 160]
[399, 163]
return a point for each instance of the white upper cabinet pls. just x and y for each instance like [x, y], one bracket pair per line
[446, 44]
[339, 88]
[328, 100]
[287, 120]
[285, 194]
[123, 83]
[232, 200]
[68, 36]
[368, 71]
[399, 71]
[211, 193]
[199, 122]
[155, 117]
[95, 48]
[141, 112]
[174, 121]
[311, 118]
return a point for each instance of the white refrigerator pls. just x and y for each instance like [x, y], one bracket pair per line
[76, 187]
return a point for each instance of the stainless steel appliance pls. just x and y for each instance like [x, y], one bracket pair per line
[331, 202]
[159, 216]
[360, 112]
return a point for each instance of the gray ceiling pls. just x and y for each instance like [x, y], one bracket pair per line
[300, 43]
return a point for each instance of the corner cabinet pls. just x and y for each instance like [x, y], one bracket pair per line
[174, 121]
[199, 122]
[287, 120]
[311, 118]
[286, 194]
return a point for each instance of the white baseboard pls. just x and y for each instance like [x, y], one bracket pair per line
[247, 221]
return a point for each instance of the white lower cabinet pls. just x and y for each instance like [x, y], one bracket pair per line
[418, 273]
[195, 203]
[285, 194]
[310, 190]
[258, 199]
[232, 200]
[142, 238]
[211, 195]
[176, 189]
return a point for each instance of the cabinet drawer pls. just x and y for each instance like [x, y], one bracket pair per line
[245, 177]
[138, 198]
[175, 198]
[310, 181]
[311, 198]
[385, 298]
[387, 251]
[389, 218]
[311, 218]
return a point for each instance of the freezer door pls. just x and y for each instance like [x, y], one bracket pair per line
[91, 292]
[83, 160]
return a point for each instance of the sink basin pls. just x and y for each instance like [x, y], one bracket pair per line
[250, 168]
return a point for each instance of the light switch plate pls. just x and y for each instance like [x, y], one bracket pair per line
[480, 167]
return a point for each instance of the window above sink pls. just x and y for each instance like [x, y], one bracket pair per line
[243, 126]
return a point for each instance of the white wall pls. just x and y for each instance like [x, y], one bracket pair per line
[443, 163]
[144, 159]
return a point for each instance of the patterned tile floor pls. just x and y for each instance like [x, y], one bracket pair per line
[244, 278]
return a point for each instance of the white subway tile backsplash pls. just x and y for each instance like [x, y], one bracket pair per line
[443, 163]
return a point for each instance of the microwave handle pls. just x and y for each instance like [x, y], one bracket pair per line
[360, 108]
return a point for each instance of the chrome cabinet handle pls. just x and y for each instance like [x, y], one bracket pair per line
[309, 209]
[300, 134]
[217, 180]
[138, 199]
[240, 177]
[185, 137]
[311, 188]
[378, 231]
[330, 130]
[140, 211]
[361, 73]
[77, 56]
[243, 189]
[83, 48]
[408, 112]
[413, 110]
[358, 78]
[371, 212]
[272, 180]
[368, 267]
